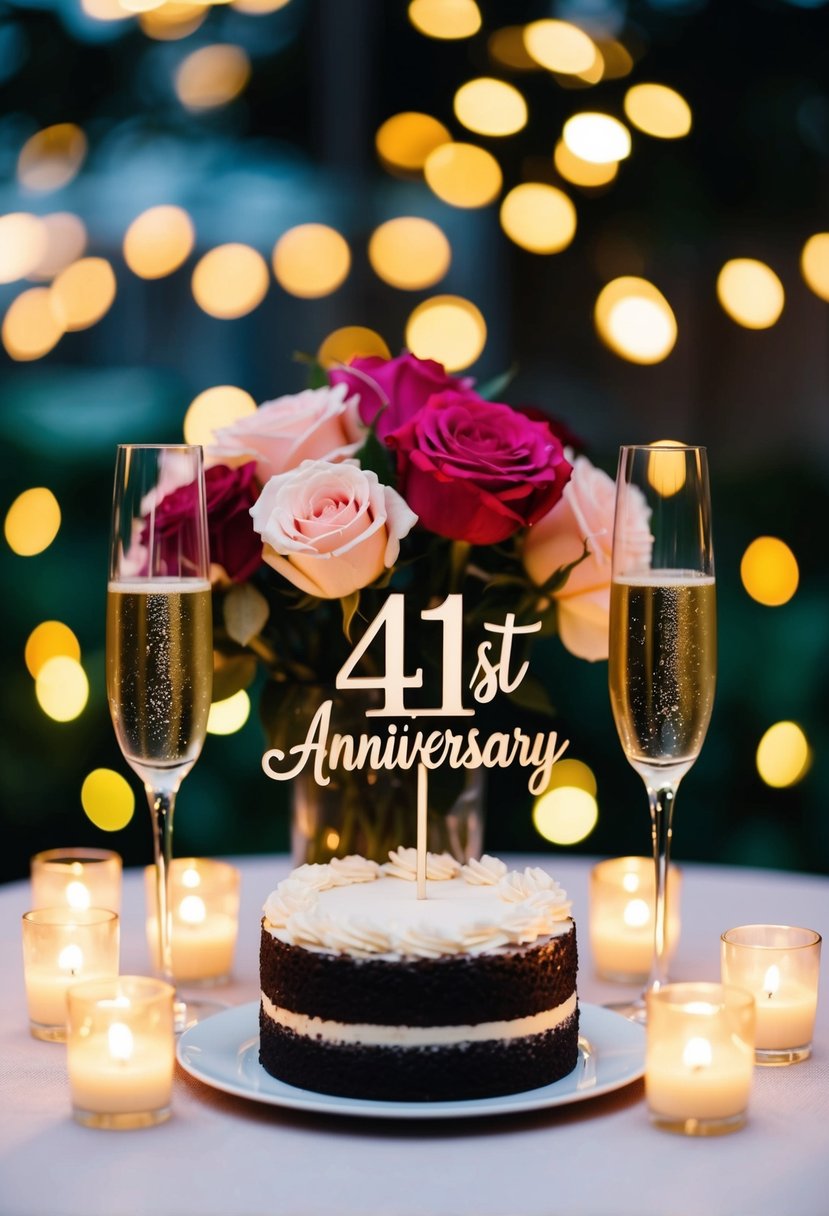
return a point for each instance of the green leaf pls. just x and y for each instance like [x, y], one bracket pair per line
[232, 674]
[246, 613]
[493, 388]
[317, 375]
[559, 577]
[375, 456]
[350, 606]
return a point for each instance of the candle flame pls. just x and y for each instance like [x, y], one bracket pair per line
[192, 910]
[77, 896]
[771, 981]
[636, 913]
[190, 877]
[697, 1053]
[70, 958]
[630, 882]
[120, 1041]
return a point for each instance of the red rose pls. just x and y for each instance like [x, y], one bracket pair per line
[403, 385]
[476, 470]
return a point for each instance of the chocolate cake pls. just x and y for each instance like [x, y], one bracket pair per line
[368, 992]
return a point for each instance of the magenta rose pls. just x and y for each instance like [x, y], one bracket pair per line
[403, 385]
[476, 470]
[235, 549]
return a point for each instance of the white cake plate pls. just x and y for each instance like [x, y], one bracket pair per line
[223, 1052]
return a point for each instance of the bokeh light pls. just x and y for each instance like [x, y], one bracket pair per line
[212, 76]
[582, 172]
[230, 281]
[172, 20]
[83, 293]
[410, 253]
[228, 716]
[490, 107]
[616, 58]
[667, 469]
[158, 241]
[51, 158]
[48, 640]
[769, 571]
[351, 342]
[62, 688]
[783, 755]
[448, 329]
[507, 48]
[105, 10]
[635, 320]
[65, 242]
[22, 245]
[445, 19]
[107, 799]
[259, 7]
[405, 140]
[311, 261]
[573, 773]
[32, 522]
[463, 175]
[750, 292]
[658, 111]
[565, 815]
[538, 217]
[559, 46]
[30, 327]
[598, 138]
[814, 264]
[219, 406]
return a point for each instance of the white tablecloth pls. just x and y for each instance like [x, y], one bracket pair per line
[226, 1156]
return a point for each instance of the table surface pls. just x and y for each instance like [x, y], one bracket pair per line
[226, 1156]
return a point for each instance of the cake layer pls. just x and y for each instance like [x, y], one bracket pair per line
[420, 1074]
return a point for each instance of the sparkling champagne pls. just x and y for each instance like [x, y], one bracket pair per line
[159, 672]
[663, 662]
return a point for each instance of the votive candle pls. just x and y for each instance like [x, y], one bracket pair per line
[121, 1052]
[62, 946]
[780, 965]
[76, 878]
[621, 917]
[699, 1057]
[204, 903]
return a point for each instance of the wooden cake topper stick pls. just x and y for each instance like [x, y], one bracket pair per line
[422, 797]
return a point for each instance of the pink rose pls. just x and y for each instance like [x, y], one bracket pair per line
[403, 385]
[317, 424]
[330, 529]
[585, 513]
[475, 470]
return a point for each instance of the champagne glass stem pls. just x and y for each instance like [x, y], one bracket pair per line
[162, 804]
[661, 799]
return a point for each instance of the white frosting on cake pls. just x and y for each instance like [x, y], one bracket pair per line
[357, 907]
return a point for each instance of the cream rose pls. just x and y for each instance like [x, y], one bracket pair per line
[585, 513]
[317, 424]
[330, 529]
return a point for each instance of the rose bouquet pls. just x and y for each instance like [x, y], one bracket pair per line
[392, 475]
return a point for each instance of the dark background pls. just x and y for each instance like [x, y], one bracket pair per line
[751, 180]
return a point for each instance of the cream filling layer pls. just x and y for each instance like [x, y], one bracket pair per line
[368, 1034]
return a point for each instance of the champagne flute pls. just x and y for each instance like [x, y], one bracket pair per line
[159, 646]
[663, 638]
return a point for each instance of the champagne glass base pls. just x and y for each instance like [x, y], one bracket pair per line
[187, 1011]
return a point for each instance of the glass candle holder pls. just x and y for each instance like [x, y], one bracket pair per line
[121, 1051]
[76, 878]
[204, 904]
[699, 1058]
[60, 947]
[780, 965]
[622, 917]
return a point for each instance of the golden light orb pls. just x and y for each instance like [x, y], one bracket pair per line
[48, 640]
[409, 252]
[635, 321]
[598, 138]
[507, 48]
[22, 245]
[573, 773]
[751, 293]
[616, 58]
[258, 8]
[538, 217]
[215, 407]
[212, 76]
[65, 242]
[769, 571]
[30, 327]
[783, 755]
[351, 342]
[667, 469]
[405, 140]
[158, 241]
[62, 689]
[463, 175]
[311, 261]
[230, 281]
[559, 46]
[228, 716]
[658, 111]
[582, 172]
[105, 10]
[83, 293]
[32, 522]
[172, 20]
[490, 107]
[565, 815]
[445, 19]
[52, 157]
[107, 799]
[448, 329]
[814, 264]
